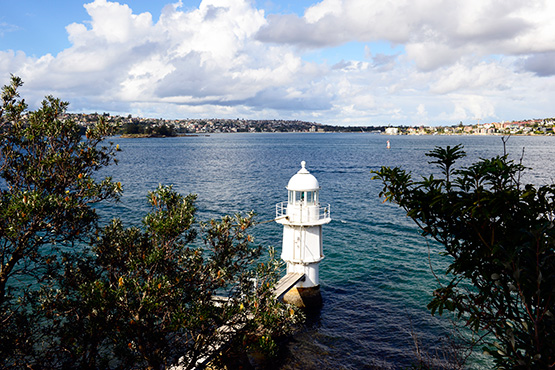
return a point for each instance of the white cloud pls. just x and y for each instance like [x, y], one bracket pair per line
[7, 28]
[542, 64]
[426, 60]
[487, 77]
[317, 12]
[436, 32]
[116, 22]
[456, 60]
[187, 56]
[469, 108]
[421, 111]
[10, 60]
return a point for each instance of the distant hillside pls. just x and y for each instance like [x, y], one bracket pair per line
[148, 127]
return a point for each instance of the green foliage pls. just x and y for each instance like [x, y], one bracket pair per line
[76, 296]
[46, 192]
[164, 130]
[148, 129]
[148, 299]
[132, 129]
[501, 237]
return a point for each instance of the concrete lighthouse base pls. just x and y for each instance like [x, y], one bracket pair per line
[308, 298]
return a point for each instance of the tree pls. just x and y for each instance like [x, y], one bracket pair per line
[48, 184]
[75, 295]
[46, 193]
[148, 299]
[132, 128]
[501, 237]
[164, 130]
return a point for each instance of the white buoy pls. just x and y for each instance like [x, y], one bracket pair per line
[302, 218]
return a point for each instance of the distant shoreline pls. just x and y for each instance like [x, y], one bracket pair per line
[148, 136]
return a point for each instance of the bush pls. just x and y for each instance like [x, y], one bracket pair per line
[73, 295]
[501, 236]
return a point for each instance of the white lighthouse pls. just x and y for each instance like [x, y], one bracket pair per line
[302, 218]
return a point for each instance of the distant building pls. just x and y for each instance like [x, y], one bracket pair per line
[392, 131]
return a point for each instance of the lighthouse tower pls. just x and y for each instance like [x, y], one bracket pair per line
[302, 218]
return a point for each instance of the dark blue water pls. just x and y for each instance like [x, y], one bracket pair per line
[376, 278]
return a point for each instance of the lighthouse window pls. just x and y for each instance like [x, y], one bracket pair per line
[309, 197]
[295, 197]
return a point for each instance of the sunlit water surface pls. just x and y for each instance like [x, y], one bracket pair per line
[376, 277]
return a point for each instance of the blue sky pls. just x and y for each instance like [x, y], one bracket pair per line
[345, 62]
[38, 27]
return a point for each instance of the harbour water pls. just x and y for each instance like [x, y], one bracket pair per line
[376, 278]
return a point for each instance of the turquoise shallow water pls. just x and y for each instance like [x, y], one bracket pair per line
[376, 278]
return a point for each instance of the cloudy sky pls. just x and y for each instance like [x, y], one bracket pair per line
[344, 62]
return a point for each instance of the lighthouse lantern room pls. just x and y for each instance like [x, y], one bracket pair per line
[302, 217]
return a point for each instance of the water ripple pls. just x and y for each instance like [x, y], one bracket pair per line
[376, 278]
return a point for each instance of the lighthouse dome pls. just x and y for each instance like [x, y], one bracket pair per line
[303, 180]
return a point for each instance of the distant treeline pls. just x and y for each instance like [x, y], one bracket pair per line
[132, 128]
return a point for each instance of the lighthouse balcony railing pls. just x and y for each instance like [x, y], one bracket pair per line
[304, 214]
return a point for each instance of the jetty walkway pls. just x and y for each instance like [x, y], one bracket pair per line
[223, 332]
